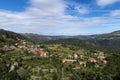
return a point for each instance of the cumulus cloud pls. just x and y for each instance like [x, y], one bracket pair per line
[115, 13]
[49, 16]
[47, 7]
[106, 2]
[41, 16]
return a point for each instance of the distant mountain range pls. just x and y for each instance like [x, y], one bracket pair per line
[8, 37]
[78, 37]
[112, 35]
[43, 38]
[104, 41]
[37, 38]
[4, 34]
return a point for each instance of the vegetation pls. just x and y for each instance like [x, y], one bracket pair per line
[63, 59]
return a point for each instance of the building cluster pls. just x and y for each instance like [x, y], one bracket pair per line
[22, 44]
[81, 59]
[97, 59]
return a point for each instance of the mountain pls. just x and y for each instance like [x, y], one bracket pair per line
[112, 35]
[108, 39]
[37, 38]
[104, 49]
[116, 33]
[44, 38]
[8, 37]
[83, 37]
[10, 34]
[61, 37]
[109, 42]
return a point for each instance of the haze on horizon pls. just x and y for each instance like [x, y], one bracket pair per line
[60, 17]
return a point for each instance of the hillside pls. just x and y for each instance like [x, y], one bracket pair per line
[109, 40]
[42, 38]
[112, 35]
[9, 34]
[37, 38]
[8, 37]
[58, 59]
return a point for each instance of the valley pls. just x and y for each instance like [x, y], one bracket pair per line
[71, 58]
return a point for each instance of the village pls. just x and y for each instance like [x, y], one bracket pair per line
[77, 60]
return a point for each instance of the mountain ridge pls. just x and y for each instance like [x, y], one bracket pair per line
[43, 38]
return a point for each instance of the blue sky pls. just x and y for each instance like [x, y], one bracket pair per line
[13, 5]
[60, 17]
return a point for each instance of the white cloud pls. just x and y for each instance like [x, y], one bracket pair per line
[82, 9]
[48, 16]
[47, 7]
[40, 17]
[115, 13]
[106, 2]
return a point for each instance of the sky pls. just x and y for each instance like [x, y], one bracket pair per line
[60, 17]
